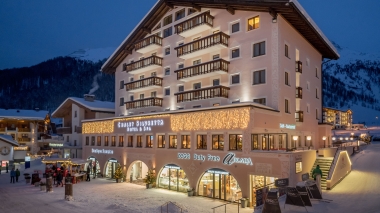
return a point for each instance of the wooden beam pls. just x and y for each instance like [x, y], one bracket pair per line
[273, 13]
[145, 29]
[196, 7]
[230, 10]
[128, 51]
[171, 6]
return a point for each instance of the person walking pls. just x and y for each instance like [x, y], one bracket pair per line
[13, 175]
[94, 171]
[17, 175]
[59, 179]
[6, 166]
[88, 178]
[317, 171]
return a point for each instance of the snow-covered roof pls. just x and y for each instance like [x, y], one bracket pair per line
[23, 114]
[8, 139]
[96, 105]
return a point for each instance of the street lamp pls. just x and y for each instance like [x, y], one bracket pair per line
[346, 138]
[324, 141]
[309, 139]
[295, 138]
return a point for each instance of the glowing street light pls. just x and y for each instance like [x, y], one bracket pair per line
[308, 138]
[295, 138]
[324, 141]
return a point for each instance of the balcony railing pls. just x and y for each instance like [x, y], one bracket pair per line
[148, 44]
[146, 102]
[299, 92]
[217, 66]
[78, 129]
[23, 129]
[299, 116]
[11, 128]
[204, 19]
[203, 93]
[152, 61]
[144, 83]
[214, 40]
[299, 66]
[64, 130]
[23, 139]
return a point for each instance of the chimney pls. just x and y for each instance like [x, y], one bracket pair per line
[89, 98]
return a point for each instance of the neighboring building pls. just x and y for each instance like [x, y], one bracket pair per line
[7, 150]
[215, 97]
[72, 111]
[25, 127]
[339, 119]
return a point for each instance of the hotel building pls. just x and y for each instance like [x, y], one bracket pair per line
[223, 98]
[339, 119]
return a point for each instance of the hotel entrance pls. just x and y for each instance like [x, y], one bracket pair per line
[172, 177]
[219, 184]
[93, 162]
[112, 164]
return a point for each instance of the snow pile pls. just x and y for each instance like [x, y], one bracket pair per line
[94, 55]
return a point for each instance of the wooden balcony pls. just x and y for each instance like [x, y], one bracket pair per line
[64, 130]
[144, 84]
[299, 66]
[146, 102]
[23, 139]
[202, 46]
[148, 44]
[207, 69]
[203, 93]
[299, 92]
[299, 116]
[195, 25]
[143, 65]
[23, 130]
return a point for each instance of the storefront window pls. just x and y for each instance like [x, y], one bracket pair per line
[99, 140]
[149, 141]
[263, 142]
[91, 165]
[173, 178]
[113, 141]
[105, 140]
[236, 142]
[173, 141]
[139, 141]
[260, 185]
[280, 142]
[161, 141]
[217, 142]
[130, 140]
[271, 142]
[121, 141]
[185, 141]
[201, 141]
[255, 142]
[112, 164]
[298, 167]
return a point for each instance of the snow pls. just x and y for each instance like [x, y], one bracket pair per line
[23, 114]
[96, 105]
[94, 55]
[8, 139]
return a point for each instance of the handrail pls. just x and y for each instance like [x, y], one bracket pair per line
[225, 206]
[333, 165]
[167, 206]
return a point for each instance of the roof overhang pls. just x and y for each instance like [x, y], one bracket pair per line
[290, 10]
[65, 108]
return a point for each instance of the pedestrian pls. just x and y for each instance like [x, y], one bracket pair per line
[17, 175]
[316, 171]
[6, 166]
[88, 178]
[13, 175]
[94, 171]
[59, 179]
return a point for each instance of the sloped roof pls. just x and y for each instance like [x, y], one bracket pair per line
[23, 114]
[8, 139]
[291, 10]
[96, 106]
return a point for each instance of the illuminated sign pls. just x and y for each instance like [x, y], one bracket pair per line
[112, 161]
[27, 158]
[140, 126]
[56, 144]
[218, 172]
[20, 148]
[229, 159]
[102, 151]
[287, 126]
[173, 167]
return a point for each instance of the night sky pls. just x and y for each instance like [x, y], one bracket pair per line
[34, 31]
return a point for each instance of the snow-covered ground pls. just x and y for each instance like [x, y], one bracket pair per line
[358, 192]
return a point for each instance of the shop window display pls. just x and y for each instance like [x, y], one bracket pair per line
[260, 186]
[92, 163]
[173, 178]
[111, 168]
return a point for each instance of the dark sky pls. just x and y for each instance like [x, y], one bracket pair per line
[34, 31]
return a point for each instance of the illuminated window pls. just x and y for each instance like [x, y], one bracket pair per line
[130, 141]
[105, 140]
[161, 141]
[139, 141]
[217, 142]
[121, 141]
[173, 141]
[149, 141]
[253, 23]
[236, 142]
[185, 141]
[113, 141]
[298, 167]
[255, 142]
[201, 141]
[99, 140]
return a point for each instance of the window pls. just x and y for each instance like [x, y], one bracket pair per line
[141, 96]
[153, 94]
[181, 88]
[185, 141]
[167, 91]
[307, 108]
[235, 27]
[161, 141]
[168, 20]
[167, 51]
[316, 93]
[122, 84]
[201, 141]
[180, 14]
[149, 141]
[308, 85]
[105, 140]
[191, 11]
[216, 104]
[216, 82]
[67, 137]
[196, 62]
[75, 114]
[316, 114]
[197, 85]
[253, 23]
[286, 51]
[168, 32]
[131, 79]
[121, 141]
[180, 66]
[287, 79]
[130, 141]
[142, 76]
[139, 141]
[217, 142]
[260, 101]
[280, 142]
[236, 142]
[92, 140]
[259, 49]
[99, 140]
[197, 106]
[235, 79]
[287, 106]
[121, 101]
[214, 57]
[167, 71]
[172, 141]
[298, 167]
[113, 141]
[254, 142]
[87, 141]
[316, 73]
[131, 98]
[235, 53]
[259, 77]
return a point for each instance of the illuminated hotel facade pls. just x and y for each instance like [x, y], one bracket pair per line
[223, 98]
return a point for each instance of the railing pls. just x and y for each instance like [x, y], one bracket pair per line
[203, 93]
[225, 206]
[299, 66]
[153, 39]
[64, 130]
[200, 69]
[332, 167]
[23, 139]
[152, 60]
[299, 92]
[146, 102]
[204, 18]
[78, 129]
[146, 82]
[203, 43]
[299, 116]
[11, 128]
[2, 129]
[167, 206]
[23, 129]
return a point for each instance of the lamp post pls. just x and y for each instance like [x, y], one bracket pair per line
[324, 141]
[295, 138]
[308, 138]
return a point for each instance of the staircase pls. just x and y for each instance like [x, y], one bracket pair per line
[324, 165]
